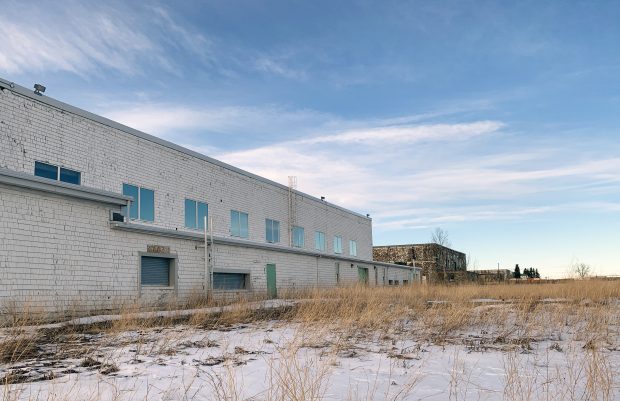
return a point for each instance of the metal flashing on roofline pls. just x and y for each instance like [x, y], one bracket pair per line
[24, 180]
[199, 237]
[113, 124]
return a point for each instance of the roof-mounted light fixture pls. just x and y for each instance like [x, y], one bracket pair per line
[39, 89]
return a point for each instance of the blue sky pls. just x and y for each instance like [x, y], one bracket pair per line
[496, 121]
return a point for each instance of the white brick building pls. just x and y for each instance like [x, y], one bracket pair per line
[65, 172]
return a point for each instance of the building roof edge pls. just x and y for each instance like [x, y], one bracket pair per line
[24, 180]
[13, 87]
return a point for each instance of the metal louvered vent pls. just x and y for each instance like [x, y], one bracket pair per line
[155, 271]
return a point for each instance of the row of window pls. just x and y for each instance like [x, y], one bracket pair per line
[57, 173]
[320, 243]
[196, 213]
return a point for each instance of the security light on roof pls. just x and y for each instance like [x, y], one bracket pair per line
[39, 89]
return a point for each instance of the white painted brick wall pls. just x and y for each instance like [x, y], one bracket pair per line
[107, 158]
[59, 254]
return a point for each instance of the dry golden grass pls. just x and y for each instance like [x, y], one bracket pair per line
[437, 309]
[506, 317]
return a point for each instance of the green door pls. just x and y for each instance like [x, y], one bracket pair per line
[272, 290]
[362, 275]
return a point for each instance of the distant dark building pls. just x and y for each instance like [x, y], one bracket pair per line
[438, 263]
[493, 275]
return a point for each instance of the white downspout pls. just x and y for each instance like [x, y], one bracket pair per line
[212, 255]
[206, 279]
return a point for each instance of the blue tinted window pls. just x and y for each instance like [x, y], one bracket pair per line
[352, 248]
[234, 223]
[298, 237]
[203, 211]
[190, 213]
[238, 224]
[319, 240]
[45, 170]
[243, 225]
[337, 244]
[131, 190]
[70, 176]
[147, 204]
[272, 230]
[195, 213]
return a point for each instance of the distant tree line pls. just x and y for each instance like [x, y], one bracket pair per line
[528, 273]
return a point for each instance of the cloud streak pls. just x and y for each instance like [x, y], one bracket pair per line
[409, 134]
[408, 173]
[87, 38]
[373, 177]
[301, 127]
[79, 43]
[167, 120]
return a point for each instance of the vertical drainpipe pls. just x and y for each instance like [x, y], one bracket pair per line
[317, 272]
[212, 264]
[206, 279]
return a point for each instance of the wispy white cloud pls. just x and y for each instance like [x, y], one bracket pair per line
[376, 178]
[85, 38]
[301, 127]
[37, 39]
[180, 36]
[443, 216]
[168, 119]
[433, 217]
[348, 177]
[408, 173]
[410, 134]
[278, 67]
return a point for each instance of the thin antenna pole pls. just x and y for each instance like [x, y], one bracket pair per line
[292, 185]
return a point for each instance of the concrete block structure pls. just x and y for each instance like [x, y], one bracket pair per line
[493, 275]
[94, 214]
[438, 263]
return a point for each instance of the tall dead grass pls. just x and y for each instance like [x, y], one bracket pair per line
[507, 317]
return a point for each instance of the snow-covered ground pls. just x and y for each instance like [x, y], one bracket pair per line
[275, 360]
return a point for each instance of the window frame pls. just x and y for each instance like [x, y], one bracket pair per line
[239, 227]
[352, 247]
[319, 241]
[198, 221]
[139, 204]
[269, 229]
[246, 281]
[338, 244]
[59, 170]
[295, 233]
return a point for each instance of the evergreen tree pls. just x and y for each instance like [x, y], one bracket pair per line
[536, 273]
[517, 273]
